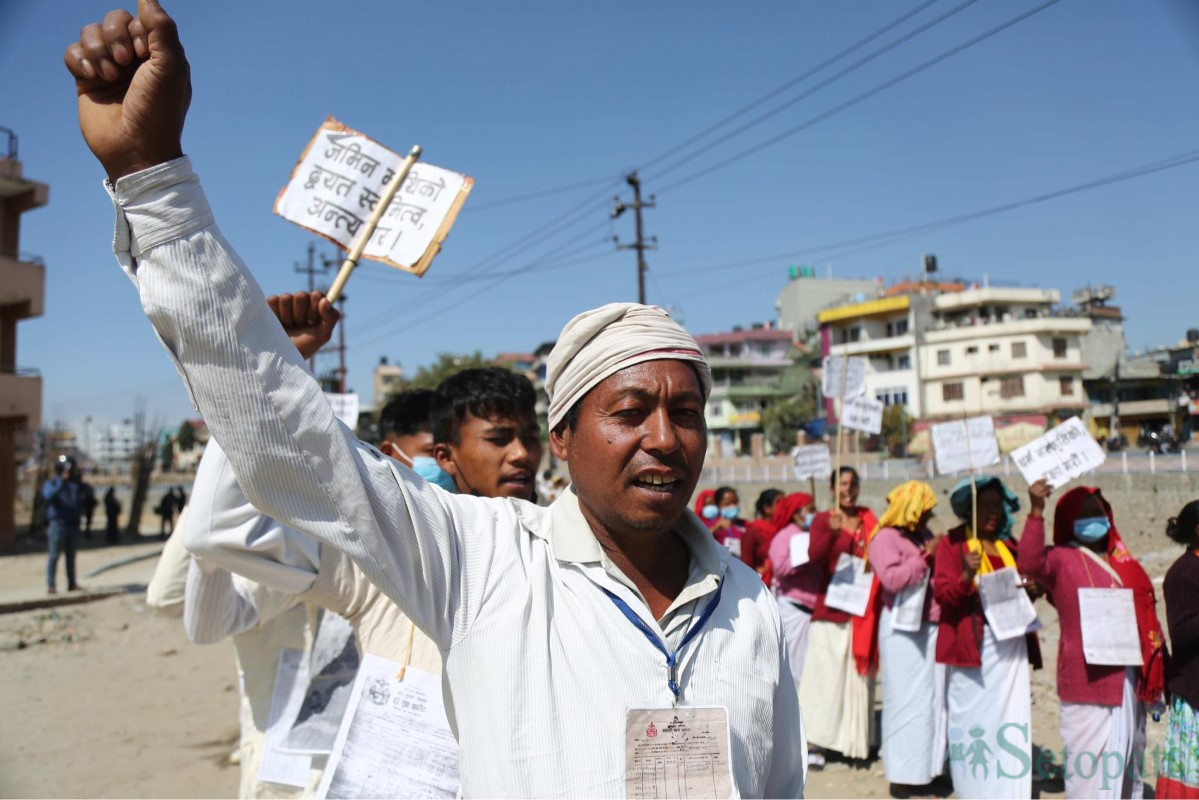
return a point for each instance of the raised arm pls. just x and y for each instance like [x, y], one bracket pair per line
[292, 458]
[1031, 557]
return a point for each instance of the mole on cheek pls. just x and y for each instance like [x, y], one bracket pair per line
[609, 441]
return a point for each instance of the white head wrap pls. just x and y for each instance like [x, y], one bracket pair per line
[605, 340]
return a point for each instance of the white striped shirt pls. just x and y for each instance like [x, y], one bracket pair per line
[540, 662]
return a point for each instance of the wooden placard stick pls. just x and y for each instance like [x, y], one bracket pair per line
[973, 481]
[372, 222]
[840, 413]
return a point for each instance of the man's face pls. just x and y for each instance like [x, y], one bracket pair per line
[493, 457]
[637, 451]
[413, 445]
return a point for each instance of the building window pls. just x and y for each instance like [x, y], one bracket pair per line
[992, 348]
[901, 327]
[715, 409]
[943, 357]
[1019, 350]
[971, 350]
[1059, 348]
[1012, 386]
[952, 391]
[903, 362]
[1067, 385]
[892, 397]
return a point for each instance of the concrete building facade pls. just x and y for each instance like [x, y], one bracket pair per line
[746, 367]
[22, 296]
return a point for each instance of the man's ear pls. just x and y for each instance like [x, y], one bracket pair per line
[560, 441]
[445, 460]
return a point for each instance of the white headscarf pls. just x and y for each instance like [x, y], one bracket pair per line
[605, 340]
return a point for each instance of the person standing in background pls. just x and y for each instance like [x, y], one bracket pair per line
[63, 507]
[1178, 775]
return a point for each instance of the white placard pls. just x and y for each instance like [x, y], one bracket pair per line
[799, 545]
[395, 740]
[331, 670]
[1062, 454]
[345, 408]
[849, 589]
[907, 612]
[1110, 635]
[844, 371]
[338, 182]
[1005, 603]
[863, 414]
[954, 453]
[812, 461]
[291, 680]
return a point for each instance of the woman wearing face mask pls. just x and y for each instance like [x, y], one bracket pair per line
[796, 585]
[914, 718]
[1179, 772]
[1102, 707]
[987, 689]
[722, 514]
[755, 542]
[837, 688]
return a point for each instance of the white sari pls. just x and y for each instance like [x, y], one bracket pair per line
[915, 717]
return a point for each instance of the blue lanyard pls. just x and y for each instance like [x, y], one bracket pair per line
[672, 658]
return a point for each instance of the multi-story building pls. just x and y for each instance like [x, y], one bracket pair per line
[22, 296]
[746, 366]
[945, 350]
[387, 380]
[804, 295]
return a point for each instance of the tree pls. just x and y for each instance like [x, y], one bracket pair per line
[785, 415]
[185, 439]
[166, 454]
[447, 364]
[895, 420]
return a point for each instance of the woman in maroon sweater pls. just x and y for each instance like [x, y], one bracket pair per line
[1179, 773]
[988, 692]
[1102, 716]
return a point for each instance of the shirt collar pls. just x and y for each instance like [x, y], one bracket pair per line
[571, 539]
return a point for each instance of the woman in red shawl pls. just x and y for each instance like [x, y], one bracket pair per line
[795, 584]
[755, 542]
[837, 686]
[1102, 706]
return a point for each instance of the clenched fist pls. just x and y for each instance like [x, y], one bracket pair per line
[134, 87]
[308, 319]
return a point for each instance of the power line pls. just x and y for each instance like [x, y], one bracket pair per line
[860, 98]
[520, 198]
[875, 240]
[907, 37]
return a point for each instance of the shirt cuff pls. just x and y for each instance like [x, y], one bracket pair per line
[156, 206]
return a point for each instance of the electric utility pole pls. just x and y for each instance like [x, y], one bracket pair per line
[640, 245]
[312, 271]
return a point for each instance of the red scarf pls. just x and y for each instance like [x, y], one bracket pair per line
[1152, 680]
[865, 627]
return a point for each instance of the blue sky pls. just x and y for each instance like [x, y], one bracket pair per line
[533, 96]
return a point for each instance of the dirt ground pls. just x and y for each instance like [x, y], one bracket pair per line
[106, 699]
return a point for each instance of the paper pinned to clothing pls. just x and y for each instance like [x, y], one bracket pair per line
[395, 740]
[812, 461]
[863, 414]
[1110, 636]
[677, 752]
[332, 667]
[907, 613]
[1062, 454]
[339, 180]
[277, 766]
[849, 588]
[800, 544]
[1005, 604]
[345, 408]
[844, 376]
[965, 445]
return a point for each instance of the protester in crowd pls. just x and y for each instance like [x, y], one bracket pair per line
[1178, 775]
[1102, 712]
[722, 515]
[112, 513]
[404, 424]
[166, 514]
[180, 499]
[914, 714]
[63, 508]
[486, 435]
[796, 584]
[755, 541]
[511, 593]
[837, 687]
[87, 504]
[988, 679]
